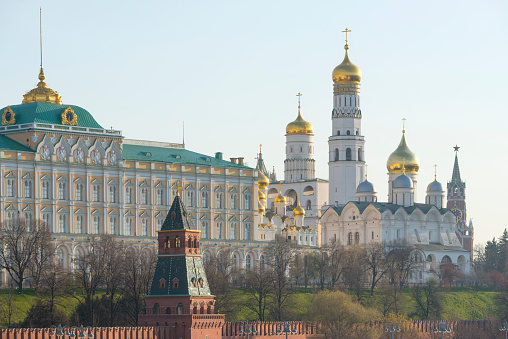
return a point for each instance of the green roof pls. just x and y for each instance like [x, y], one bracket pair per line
[173, 156]
[177, 218]
[11, 145]
[48, 113]
[436, 247]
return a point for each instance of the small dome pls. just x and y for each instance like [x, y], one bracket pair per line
[280, 199]
[261, 208]
[402, 181]
[365, 187]
[42, 93]
[263, 181]
[346, 72]
[298, 211]
[435, 186]
[261, 196]
[403, 158]
[299, 126]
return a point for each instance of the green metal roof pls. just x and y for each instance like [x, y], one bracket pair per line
[177, 218]
[435, 247]
[173, 156]
[48, 113]
[11, 145]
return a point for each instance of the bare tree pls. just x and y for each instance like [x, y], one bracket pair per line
[20, 240]
[427, 299]
[281, 252]
[53, 283]
[335, 268]
[259, 291]
[114, 274]
[374, 259]
[41, 259]
[401, 261]
[7, 305]
[354, 275]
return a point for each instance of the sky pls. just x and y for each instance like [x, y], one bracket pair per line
[231, 70]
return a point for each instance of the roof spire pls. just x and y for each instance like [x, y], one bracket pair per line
[456, 170]
[40, 30]
[403, 125]
[346, 47]
[183, 132]
[299, 95]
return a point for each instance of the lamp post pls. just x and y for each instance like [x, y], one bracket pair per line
[443, 329]
[392, 328]
[286, 329]
[504, 328]
[248, 329]
[59, 331]
[81, 331]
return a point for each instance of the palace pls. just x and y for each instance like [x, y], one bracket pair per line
[61, 166]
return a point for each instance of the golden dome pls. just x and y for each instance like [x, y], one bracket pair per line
[261, 208]
[403, 159]
[263, 181]
[298, 211]
[346, 72]
[299, 126]
[261, 196]
[42, 93]
[280, 199]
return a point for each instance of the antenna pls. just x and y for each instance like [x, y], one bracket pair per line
[183, 132]
[403, 125]
[40, 29]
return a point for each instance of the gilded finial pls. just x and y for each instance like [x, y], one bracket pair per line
[456, 148]
[180, 188]
[260, 145]
[183, 132]
[346, 47]
[366, 166]
[403, 125]
[299, 95]
[435, 172]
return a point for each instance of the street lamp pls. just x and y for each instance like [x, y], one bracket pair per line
[59, 331]
[504, 328]
[287, 329]
[392, 328]
[443, 329]
[248, 329]
[82, 331]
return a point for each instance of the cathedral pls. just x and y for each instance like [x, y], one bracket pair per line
[60, 165]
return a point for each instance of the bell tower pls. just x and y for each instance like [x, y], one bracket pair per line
[456, 196]
[346, 161]
[180, 296]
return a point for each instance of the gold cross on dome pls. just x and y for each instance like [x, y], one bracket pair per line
[435, 172]
[403, 125]
[346, 31]
[366, 167]
[299, 95]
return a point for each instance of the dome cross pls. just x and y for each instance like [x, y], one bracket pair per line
[346, 31]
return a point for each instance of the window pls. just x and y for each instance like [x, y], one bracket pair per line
[359, 154]
[357, 237]
[248, 262]
[61, 190]
[357, 132]
[219, 202]
[398, 234]
[112, 225]
[338, 132]
[204, 199]
[204, 229]
[46, 218]
[350, 238]
[247, 202]
[96, 228]
[248, 231]
[336, 154]
[96, 193]
[60, 258]
[179, 307]
[10, 187]
[234, 201]
[348, 132]
[129, 226]
[144, 227]
[220, 234]
[112, 194]
[45, 190]
[27, 189]
[234, 231]
[29, 218]
[177, 242]
[348, 154]
[190, 198]
[162, 283]
[159, 222]
[62, 223]
[308, 205]
[145, 196]
[79, 223]
[79, 192]
[156, 309]
[372, 235]
[159, 197]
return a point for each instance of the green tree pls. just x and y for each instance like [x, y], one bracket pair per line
[428, 299]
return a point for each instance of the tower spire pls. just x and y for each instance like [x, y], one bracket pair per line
[40, 30]
[456, 170]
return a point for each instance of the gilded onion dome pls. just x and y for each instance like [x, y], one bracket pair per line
[299, 126]
[263, 181]
[280, 199]
[261, 196]
[346, 72]
[261, 208]
[298, 211]
[403, 158]
[42, 93]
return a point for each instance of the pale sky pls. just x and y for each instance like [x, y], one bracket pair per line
[232, 69]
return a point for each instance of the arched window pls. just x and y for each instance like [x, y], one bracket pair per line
[357, 237]
[179, 308]
[357, 132]
[248, 231]
[248, 262]
[359, 154]
[336, 154]
[156, 309]
[234, 230]
[338, 132]
[308, 205]
[177, 241]
[350, 238]
[60, 258]
[348, 154]
[220, 232]
[204, 229]
[348, 132]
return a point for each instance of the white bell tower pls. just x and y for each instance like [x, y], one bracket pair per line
[346, 144]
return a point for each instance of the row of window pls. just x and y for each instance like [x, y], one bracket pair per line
[79, 195]
[348, 154]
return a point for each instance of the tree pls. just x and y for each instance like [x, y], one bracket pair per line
[114, 274]
[334, 268]
[427, 299]
[340, 317]
[259, 291]
[281, 254]
[20, 239]
[354, 276]
[400, 262]
[42, 257]
[374, 259]
[53, 283]
[7, 305]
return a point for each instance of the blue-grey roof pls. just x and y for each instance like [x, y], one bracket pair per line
[173, 156]
[365, 187]
[402, 181]
[385, 206]
[435, 186]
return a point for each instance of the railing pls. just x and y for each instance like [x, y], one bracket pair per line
[53, 127]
